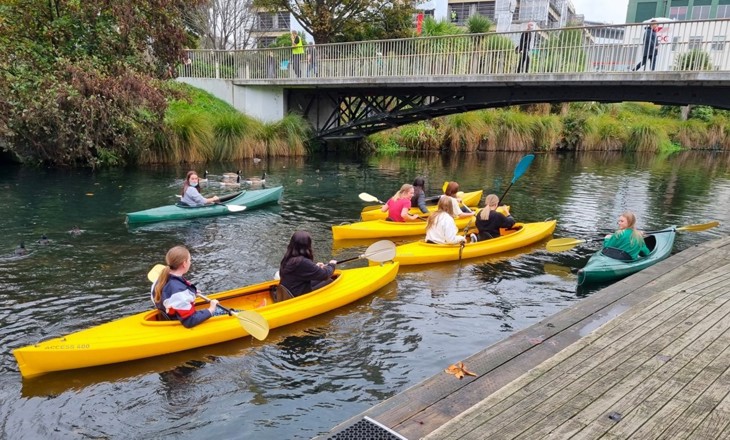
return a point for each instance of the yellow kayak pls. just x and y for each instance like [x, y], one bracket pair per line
[384, 229]
[373, 212]
[143, 335]
[525, 234]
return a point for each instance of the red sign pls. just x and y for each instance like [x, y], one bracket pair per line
[419, 23]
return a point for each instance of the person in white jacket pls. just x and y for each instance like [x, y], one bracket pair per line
[441, 227]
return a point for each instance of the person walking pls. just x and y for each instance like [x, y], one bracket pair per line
[296, 52]
[524, 49]
[651, 48]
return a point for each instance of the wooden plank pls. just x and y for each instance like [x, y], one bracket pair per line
[529, 411]
[619, 397]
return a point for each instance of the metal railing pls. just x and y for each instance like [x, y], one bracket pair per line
[682, 46]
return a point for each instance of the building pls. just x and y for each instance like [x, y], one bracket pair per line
[641, 10]
[268, 26]
[506, 14]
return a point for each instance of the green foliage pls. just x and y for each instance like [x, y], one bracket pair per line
[547, 131]
[693, 60]
[646, 136]
[433, 28]
[702, 112]
[515, 131]
[394, 20]
[464, 131]
[384, 144]
[478, 24]
[562, 52]
[338, 20]
[608, 133]
[576, 129]
[420, 135]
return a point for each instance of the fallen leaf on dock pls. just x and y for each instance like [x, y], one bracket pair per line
[459, 370]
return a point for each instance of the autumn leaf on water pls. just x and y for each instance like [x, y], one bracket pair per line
[459, 370]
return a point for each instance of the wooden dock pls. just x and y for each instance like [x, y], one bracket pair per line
[647, 357]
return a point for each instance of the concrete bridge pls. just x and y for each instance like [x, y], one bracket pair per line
[351, 90]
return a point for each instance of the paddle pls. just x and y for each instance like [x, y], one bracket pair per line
[365, 197]
[564, 244]
[379, 252]
[235, 208]
[520, 169]
[255, 324]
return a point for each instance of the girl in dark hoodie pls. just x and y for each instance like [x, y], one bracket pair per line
[298, 271]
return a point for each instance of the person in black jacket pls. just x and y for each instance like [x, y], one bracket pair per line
[419, 194]
[650, 46]
[524, 49]
[298, 271]
[489, 220]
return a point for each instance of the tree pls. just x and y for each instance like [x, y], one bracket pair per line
[222, 24]
[326, 20]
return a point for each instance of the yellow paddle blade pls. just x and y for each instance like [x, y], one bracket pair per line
[155, 272]
[365, 197]
[562, 244]
[700, 227]
[443, 188]
[255, 324]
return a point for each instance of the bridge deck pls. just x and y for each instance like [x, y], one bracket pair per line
[646, 357]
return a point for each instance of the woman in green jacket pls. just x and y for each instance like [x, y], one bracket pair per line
[626, 243]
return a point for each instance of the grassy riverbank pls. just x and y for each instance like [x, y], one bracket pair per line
[202, 128]
[575, 127]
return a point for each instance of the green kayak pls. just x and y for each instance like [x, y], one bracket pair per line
[601, 268]
[228, 204]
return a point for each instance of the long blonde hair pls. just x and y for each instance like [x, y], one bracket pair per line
[445, 206]
[401, 194]
[175, 258]
[630, 217]
[491, 201]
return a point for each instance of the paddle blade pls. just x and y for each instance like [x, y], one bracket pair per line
[255, 324]
[380, 251]
[563, 244]
[522, 166]
[235, 208]
[700, 227]
[155, 272]
[365, 197]
[443, 188]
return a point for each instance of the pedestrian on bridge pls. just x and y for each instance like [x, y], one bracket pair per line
[524, 49]
[651, 48]
[296, 52]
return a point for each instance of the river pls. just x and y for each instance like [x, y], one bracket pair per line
[307, 377]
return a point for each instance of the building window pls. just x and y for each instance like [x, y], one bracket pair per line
[428, 13]
[678, 12]
[283, 20]
[675, 42]
[700, 13]
[695, 42]
[265, 21]
[718, 42]
[723, 11]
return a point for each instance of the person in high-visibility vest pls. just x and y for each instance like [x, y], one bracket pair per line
[297, 51]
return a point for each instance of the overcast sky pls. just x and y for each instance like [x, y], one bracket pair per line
[607, 11]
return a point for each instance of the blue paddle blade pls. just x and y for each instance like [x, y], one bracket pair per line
[522, 166]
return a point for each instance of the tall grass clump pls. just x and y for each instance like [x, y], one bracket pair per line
[491, 129]
[718, 133]
[237, 136]
[608, 134]
[383, 143]
[692, 134]
[547, 131]
[419, 136]
[463, 131]
[286, 137]
[515, 131]
[646, 136]
[190, 137]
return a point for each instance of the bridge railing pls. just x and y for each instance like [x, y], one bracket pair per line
[686, 45]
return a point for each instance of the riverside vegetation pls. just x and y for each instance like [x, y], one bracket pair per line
[82, 84]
